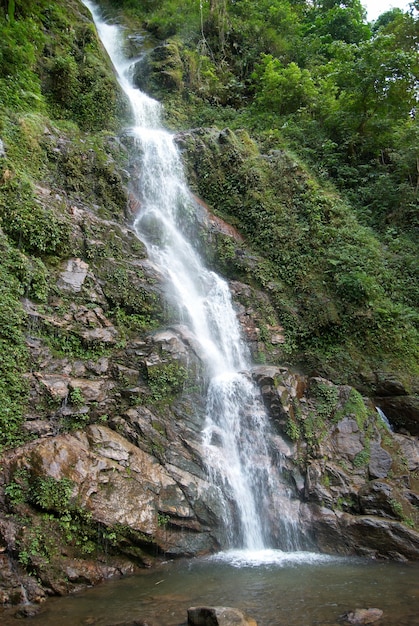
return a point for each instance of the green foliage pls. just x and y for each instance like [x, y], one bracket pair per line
[48, 58]
[282, 90]
[326, 397]
[17, 490]
[21, 43]
[34, 228]
[50, 494]
[67, 344]
[162, 519]
[13, 362]
[76, 397]
[327, 274]
[292, 429]
[362, 458]
[166, 380]
[133, 324]
[356, 407]
[127, 293]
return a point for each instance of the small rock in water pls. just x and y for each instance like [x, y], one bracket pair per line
[218, 616]
[363, 616]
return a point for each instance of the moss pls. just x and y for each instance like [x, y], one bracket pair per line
[125, 289]
[325, 271]
[356, 407]
[362, 458]
[292, 429]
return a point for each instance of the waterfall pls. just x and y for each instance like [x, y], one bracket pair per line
[384, 418]
[235, 433]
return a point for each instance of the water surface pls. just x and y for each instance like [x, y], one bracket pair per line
[276, 588]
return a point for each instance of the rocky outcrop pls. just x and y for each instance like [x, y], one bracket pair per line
[359, 480]
[398, 401]
[161, 69]
[121, 485]
[402, 412]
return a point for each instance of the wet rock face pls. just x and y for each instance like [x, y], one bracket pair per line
[402, 411]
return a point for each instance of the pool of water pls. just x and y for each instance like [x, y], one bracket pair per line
[276, 588]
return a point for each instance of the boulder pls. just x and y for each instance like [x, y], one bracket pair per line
[366, 535]
[218, 616]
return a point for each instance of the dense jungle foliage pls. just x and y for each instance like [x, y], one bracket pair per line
[313, 80]
[339, 96]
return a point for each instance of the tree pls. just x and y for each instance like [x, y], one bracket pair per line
[339, 21]
[282, 89]
[377, 84]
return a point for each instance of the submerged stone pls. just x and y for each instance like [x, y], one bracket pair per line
[363, 616]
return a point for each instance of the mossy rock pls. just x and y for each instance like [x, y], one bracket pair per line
[161, 70]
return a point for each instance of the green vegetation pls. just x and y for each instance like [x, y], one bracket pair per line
[166, 380]
[325, 191]
[13, 362]
[57, 520]
[56, 92]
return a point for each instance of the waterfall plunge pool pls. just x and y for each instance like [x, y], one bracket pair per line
[275, 588]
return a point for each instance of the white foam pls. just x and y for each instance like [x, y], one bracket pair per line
[257, 558]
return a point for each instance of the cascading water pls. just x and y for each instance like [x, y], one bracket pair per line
[236, 423]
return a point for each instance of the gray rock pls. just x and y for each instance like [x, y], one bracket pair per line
[380, 461]
[349, 438]
[409, 447]
[375, 498]
[74, 275]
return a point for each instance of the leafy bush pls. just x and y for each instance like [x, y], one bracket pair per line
[51, 494]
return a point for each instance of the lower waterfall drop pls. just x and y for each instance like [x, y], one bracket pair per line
[235, 434]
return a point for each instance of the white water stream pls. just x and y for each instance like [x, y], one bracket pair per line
[236, 423]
